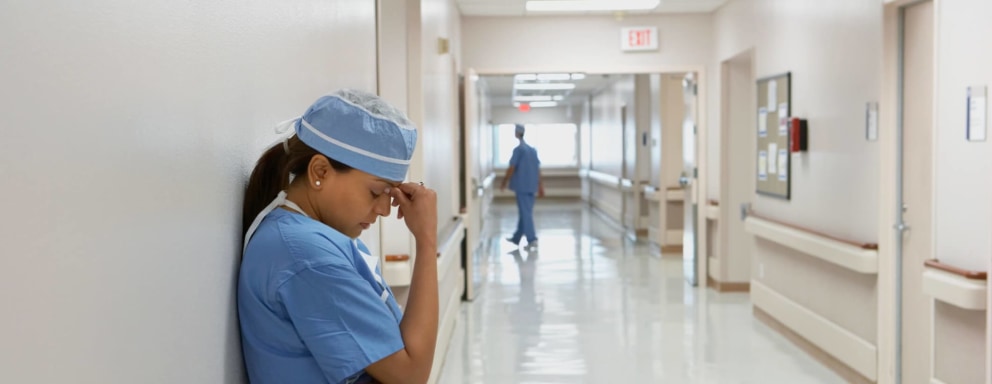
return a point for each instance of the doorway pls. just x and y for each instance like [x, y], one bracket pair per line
[731, 262]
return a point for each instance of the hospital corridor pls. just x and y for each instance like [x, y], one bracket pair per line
[591, 306]
[495, 191]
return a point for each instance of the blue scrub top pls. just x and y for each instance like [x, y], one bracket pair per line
[526, 168]
[311, 309]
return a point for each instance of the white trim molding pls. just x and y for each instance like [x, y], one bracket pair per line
[850, 349]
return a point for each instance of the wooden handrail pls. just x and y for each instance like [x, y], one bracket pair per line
[868, 246]
[714, 202]
[974, 275]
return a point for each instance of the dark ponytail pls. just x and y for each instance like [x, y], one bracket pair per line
[271, 175]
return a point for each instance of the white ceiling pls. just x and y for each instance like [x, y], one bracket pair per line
[518, 8]
[500, 88]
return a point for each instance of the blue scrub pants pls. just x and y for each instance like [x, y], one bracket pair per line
[525, 221]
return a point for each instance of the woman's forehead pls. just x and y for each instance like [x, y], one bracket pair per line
[375, 179]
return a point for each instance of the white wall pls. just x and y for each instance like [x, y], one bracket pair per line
[963, 208]
[835, 71]
[128, 132]
[440, 126]
[607, 125]
[584, 43]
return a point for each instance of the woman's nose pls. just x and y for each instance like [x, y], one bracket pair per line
[382, 206]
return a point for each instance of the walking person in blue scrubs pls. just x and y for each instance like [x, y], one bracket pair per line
[524, 177]
[312, 304]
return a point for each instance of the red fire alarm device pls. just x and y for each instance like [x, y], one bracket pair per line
[798, 140]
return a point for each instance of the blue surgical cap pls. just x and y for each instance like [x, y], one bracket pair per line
[360, 130]
[520, 129]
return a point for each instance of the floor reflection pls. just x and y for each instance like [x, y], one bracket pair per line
[591, 306]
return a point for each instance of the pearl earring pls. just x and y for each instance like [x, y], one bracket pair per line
[318, 183]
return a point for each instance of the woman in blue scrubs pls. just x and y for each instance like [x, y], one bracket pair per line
[312, 304]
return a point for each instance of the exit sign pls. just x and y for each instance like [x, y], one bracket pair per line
[639, 39]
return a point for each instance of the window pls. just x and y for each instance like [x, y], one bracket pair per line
[557, 144]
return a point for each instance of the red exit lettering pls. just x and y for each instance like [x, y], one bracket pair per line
[639, 38]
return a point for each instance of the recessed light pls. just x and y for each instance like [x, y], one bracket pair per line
[591, 5]
[545, 86]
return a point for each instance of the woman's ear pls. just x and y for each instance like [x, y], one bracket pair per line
[319, 171]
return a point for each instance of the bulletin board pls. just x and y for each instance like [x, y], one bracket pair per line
[774, 176]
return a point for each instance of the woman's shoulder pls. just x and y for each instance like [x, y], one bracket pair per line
[304, 242]
[310, 238]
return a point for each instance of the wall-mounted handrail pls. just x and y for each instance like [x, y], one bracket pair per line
[627, 184]
[869, 246]
[956, 286]
[973, 275]
[861, 258]
[713, 209]
[453, 235]
[488, 182]
[603, 178]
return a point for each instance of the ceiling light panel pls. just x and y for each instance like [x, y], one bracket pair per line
[544, 86]
[591, 5]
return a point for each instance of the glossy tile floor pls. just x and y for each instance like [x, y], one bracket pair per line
[589, 306]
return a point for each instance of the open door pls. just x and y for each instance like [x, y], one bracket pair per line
[688, 181]
[478, 182]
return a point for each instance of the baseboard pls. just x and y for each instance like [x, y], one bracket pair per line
[849, 355]
[842, 370]
[727, 287]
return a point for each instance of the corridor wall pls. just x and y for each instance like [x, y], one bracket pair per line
[607, 143]
[129, 129]
[835, 72]
[963, 207]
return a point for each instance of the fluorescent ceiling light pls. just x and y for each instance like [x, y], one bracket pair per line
[559, 98]
[591, 5]
[578, 76]
[543, 104]
[525, 77]
[554, 76]
[533, 98]
[545, 86]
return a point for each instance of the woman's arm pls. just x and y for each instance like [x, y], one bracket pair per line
[413, 363]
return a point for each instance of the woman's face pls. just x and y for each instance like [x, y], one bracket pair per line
[351, 201]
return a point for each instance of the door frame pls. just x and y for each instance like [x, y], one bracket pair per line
[702, 123]
[729, 215]
[889, 213]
